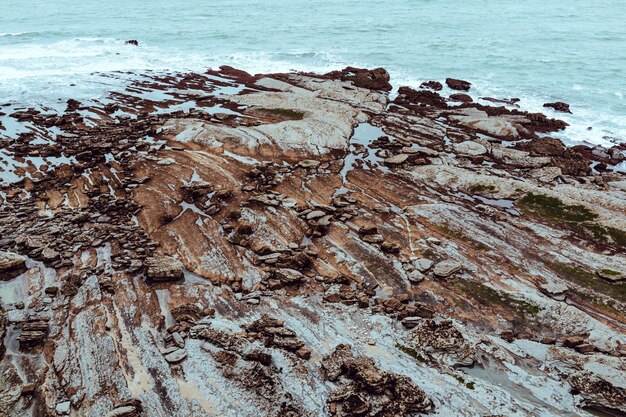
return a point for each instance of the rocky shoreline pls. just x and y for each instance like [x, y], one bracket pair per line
[227, 244]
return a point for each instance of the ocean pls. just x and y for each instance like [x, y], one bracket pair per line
[536, 50]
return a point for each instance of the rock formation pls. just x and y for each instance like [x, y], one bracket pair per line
[227, 244]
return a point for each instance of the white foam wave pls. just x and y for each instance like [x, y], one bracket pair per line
[40, 70]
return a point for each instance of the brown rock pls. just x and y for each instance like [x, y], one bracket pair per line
[458, 84]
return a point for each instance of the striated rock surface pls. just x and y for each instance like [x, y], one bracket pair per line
[228, 244]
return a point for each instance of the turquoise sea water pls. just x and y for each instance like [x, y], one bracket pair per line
[538, 50]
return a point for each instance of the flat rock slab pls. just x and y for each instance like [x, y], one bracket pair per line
[446, 268]
[164, 268]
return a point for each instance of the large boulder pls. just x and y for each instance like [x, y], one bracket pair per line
[458, 84]
[375, 79]
[559, 106]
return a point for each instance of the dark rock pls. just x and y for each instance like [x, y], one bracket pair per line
[433, 85]
[376, 79]
[133, 42]
[458, 84]
[559, 106]
[460, 97]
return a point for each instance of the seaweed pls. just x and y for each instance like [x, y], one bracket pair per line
[411, 352]
[552, 208]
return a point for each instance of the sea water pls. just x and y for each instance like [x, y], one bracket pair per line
[536, 50]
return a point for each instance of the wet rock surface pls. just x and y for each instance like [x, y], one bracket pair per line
[298, 244]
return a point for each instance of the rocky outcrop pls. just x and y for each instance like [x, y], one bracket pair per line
[204, 253]
[363, 389]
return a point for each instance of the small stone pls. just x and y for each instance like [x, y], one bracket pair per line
[63, 408]
[423, 264]
[11, 261]
[166, 161]
[315, 214]
[415, 276]
[470, 148]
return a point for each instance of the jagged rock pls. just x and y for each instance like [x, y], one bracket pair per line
[366, 390]
[559, 106]
[599, 392]
[164, 268]
[288, 275]
[433, 85]
[376, 79]
[130, 408]
[458, 84]
[446, 268]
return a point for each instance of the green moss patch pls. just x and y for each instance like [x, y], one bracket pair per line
[586, 279]
[411, 352]
[489, 297]
[287, 114]
[468, 385]
[552, 208]
[611, 272]
[574, 217]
